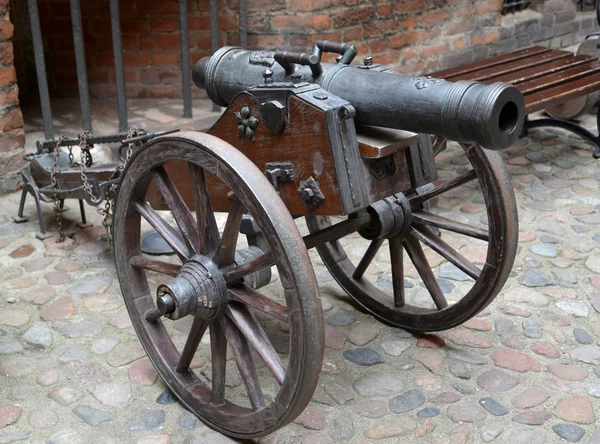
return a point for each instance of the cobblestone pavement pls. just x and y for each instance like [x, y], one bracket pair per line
[526, 370]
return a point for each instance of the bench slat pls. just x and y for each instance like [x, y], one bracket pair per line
[515, 66]
[448, 74]
[561, 93]
[548, 68]
[558, 78]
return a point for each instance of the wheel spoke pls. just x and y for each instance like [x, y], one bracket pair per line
[254, 299]
[425, 235]
[154, 265]
[397, 257]
[243, 358]
[424, 217]
[446, 186]
[266, 260]
[367, 258]
[254, 333]
[417, 256]
[181, 213]
[225, 253]
[167, 232]
[218, 350]
[438, 144]
[191, 344]
[205, 216]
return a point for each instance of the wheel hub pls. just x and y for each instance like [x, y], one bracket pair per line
[390, 217]
[198, 289]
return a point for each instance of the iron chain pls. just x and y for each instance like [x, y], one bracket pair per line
[54, 183]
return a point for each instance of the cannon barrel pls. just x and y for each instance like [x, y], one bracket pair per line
[465, 111]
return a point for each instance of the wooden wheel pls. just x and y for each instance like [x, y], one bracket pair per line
[425, 307]
[210, 283]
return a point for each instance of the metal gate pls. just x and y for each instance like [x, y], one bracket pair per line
[115, 19]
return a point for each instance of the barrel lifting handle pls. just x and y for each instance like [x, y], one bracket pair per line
[287, 59]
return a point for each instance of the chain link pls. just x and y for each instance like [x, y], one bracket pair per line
[54, 183]
[110, 195]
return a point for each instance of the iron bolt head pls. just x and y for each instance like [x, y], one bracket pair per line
[268, 76]
[368, 61]
[307, 194]
[165, 303]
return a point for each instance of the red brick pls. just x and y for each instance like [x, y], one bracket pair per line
[295, 22]
[159, 42]
[13, 141]
[96, 76]
[485, 39]
[157, 7]
[437, 17]
[412, 5]
[7, 76]
[305, 41]
[6, 53]
[131, 76]
[6, 29]
[164, 24]
[354, 16]
[485, 6]
[267, 5]
[460, 27]
[458, 44]
[407, 38]
[313, 5]
[389, 58]
[130, 42]
[134, 25]
[203, 23]
[381, 28]
[409, 53]
[134, 60]
[353, 33]
[409, 23]
[164, 59]
[384, 11]
[11, 119]
[378, 46]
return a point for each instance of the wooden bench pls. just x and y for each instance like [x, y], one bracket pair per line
[545, 76]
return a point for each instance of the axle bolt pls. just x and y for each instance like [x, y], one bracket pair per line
[165, 303]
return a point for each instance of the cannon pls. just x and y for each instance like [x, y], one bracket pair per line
[343, 158]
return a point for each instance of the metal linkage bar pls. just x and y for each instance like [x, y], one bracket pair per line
[40, 68]
[214, 34]
[185, 58]
[243, 26]
[115, 24]
[82, 82]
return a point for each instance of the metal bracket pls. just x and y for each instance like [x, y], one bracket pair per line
[279, 172]
[311, 193]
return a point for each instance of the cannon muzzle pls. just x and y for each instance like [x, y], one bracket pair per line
[464, 111]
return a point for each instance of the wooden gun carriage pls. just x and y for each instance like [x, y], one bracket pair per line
[291, 144]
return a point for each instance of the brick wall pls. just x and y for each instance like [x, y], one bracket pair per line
[415, 36]
[12, 135]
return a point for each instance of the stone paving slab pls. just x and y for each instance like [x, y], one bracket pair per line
[526, 370]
